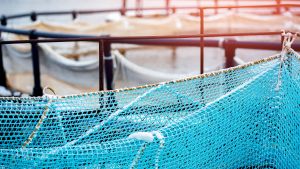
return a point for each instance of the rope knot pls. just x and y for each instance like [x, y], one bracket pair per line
[288, 40]
[148, 137]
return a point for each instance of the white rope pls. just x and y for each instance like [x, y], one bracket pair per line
[38, 125]
[58, 113]
[148, 137]
[110, 117]
[288, 40]
[138, 156]
[160, 136]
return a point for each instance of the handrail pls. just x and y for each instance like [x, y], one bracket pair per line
[61, 35]
[104, 41]
[105, 44]
[42, 34]
[289, 5]
[37, 89]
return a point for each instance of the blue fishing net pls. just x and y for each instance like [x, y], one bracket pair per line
[242, 117]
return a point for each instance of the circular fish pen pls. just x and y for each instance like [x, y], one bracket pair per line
[131, 66]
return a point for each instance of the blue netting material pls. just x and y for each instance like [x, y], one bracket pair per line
[230, 119]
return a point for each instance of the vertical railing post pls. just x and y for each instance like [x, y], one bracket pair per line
[229, 49]
[167, 7]
[101, 66]
[229, 52]
[101, 73]
[124, 7]
[236, 4]
[201, 40]
[108, 61]
[174, 10]
[139, 8]
[74, 15]
[278, 8]
[112, 104]
[3, 20]
[37, 89]
[33, 16]
[3, 80]
[216, 6]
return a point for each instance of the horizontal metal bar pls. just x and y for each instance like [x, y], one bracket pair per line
[193, 42]
[78, 12]
[243, 0]
[69, 38]
[290, 5]
[18, 16]
[15, 31]
[42, 34]
[196, 42]
[261, 45]
[252, 6]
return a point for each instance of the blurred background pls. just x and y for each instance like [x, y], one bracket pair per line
[73, 67]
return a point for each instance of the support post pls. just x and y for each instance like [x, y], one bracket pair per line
[101, 66]
[108, 61]
[174, 10]
[229, 49]
[37, 89]
[167, 7]
[74, 15]
[3, 20]
[33, 16]
[3, 80]
[101, 74]
[237, 4]
[139, 8]
[201, 41]
[216, 5]
[124, 7]
[278, 9]
[112, 104]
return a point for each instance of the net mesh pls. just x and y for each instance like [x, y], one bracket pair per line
[234, 118]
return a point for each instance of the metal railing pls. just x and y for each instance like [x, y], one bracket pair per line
[202, 10]
[105, 42]
[123, 10]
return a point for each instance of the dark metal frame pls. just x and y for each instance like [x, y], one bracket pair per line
[123, 10]
[37, 89]
[106, 41]
[105, 48]
[216, 4]
[3, 80]
[278, 6]
[33, 16]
